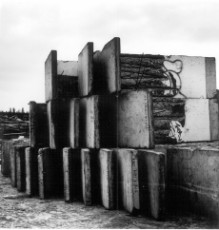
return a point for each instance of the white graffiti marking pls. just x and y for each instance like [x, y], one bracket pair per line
[176, 131]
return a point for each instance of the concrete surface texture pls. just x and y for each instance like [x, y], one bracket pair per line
[108, 63]
[20, 168]
[5, 158]
[201, 120]
[67, 68]
[90, 176]
[152, 182]
[74, 123]
[85, 70]
[89, 122]
[128, 184]
[72, 174]
[108, 178]
[185, 120]
[173, 76]
[192, 178]
[58, 112]
[196, 75]
[51, 75]
[50, 177]
[135, 128]
[38, 126]
[61, 85]
[31, 171]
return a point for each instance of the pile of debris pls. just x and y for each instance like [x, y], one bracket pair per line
[13, 125]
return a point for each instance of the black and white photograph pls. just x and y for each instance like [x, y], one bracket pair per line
[109, 114]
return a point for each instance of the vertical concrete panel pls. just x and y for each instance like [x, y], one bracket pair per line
[74, 123]
[50, 169]
[52, 127]
[108, 178]
[31, 164]
[90, 176]
[13, 159]
[86, 176]
[59, 85]
[38, 128]
[67, 159]
[108, 63]
[98, 121]
[135, 129]
[210, 68]
[128, 179]
[13, 167]
[72, 174]
[197, 122]
[58, 112]
[89, 122]
[111, 121]
[20, 169]
[152, 182]
[51, 75]
[108, 121]
[192, 179]
[85, 70]
[5, 158]
[214, 121]
[42, 188]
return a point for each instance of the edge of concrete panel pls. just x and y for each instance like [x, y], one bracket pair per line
[152, 177]
[128, 185]
[214, 119]
[111, 54]
[50, 75]
[107, 178]
[210, 68]
[85, 70]
[86, 176]
[141, 122]
[74, 123]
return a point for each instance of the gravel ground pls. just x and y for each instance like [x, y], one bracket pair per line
[17, 210]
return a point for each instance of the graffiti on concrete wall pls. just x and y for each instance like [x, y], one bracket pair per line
[172, 70]
[176, 131]
[160, 75]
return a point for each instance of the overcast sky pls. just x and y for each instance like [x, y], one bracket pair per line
[29, 29]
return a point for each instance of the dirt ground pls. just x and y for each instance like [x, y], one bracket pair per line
[17, 210]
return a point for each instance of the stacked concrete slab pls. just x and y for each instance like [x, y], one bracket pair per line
[112, 119]
[12, 164]
[93, 139]
[124, 104]
[125, 129]
[39, 138]
[61, 85]
[183, 90]
[61, 79]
